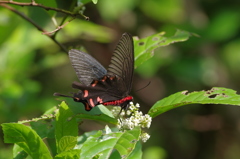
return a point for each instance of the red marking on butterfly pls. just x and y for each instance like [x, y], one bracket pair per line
[85, 93]
[101, 86]
[99, 100]
[94, 83]
[119, 102]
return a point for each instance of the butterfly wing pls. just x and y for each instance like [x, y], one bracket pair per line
[122, 64]
[86, 67]
[99, 85]
[99, 91]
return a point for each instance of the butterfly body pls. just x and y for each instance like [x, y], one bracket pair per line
[101, 86]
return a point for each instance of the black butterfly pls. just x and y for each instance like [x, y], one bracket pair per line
[101, 86]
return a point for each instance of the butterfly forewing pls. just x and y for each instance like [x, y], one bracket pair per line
[122, 63]
[86, 67]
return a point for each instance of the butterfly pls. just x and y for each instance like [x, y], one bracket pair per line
[101, 86]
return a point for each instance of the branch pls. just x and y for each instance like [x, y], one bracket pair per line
[34, 4]
[58, 28]
[33, 23]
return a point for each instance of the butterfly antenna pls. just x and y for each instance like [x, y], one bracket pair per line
[144, 86]
[61, 95]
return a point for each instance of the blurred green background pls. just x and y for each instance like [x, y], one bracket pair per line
[32, 68]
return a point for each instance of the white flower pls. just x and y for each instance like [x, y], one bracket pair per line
[136, 119]
[145, 137]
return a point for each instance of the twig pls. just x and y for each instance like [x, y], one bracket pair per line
[58, 28]
[34, 4]
[62, 22]
[33, 23]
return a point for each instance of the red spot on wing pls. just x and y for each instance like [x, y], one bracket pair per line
[91, 102]
[99, 100]
[85, 92]
[104, 78]
[94, 83]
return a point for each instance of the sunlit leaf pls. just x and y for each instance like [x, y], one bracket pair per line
[217, 95]
[67, 143]
[66, 125]
[144, 48]
[95, 1]
[27, 139]
[101, 145]
[71, 154]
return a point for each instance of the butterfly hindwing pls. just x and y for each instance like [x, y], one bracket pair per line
[99, 91]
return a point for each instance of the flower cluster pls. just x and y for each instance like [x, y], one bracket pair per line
[136, 119]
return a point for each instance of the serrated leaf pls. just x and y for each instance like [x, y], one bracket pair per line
[144, 48]
[71, 154]
[217, 95]
[66, 125]
[101, 145]
[27, 139]
[67, 143]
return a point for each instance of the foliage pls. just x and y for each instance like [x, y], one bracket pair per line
[33, 66]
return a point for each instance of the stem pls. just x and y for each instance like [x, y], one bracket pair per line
[58, 28]
[34, 24]
[34, 4]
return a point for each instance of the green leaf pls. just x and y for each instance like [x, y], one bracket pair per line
[144, 48]
[67, 143]
[99, 113]
[81, 139]
[18, 152]
[137, 152]
[71, 154]
[66, 125]
[217, 95]
[95, 1]
[27, 139]
[41, 127]
[101, 145]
